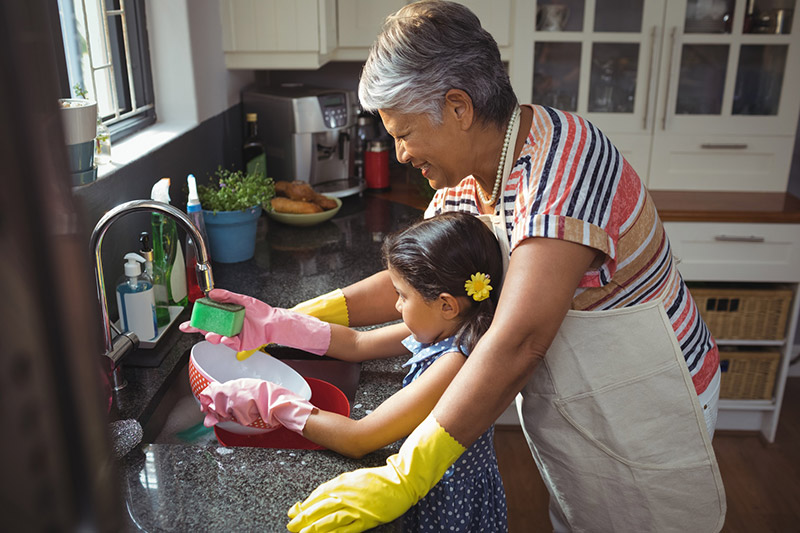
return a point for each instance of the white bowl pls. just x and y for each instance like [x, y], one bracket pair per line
[216, 362]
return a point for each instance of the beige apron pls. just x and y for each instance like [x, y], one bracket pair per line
[613, 422]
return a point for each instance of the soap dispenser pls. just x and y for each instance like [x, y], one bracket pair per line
[136, 300]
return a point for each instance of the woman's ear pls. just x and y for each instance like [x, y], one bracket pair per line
[459, 106]
[450, 307]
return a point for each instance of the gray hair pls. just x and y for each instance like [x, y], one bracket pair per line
[428, 48]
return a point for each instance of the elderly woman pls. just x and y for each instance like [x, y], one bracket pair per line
[596, 335]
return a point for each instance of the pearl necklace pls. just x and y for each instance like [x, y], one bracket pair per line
[499, 178]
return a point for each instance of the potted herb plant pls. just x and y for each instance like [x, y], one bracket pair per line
[232, 203]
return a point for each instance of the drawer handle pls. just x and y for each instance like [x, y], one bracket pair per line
[723, 146]
[738, 238]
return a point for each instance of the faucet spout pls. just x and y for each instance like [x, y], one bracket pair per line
[115, 347]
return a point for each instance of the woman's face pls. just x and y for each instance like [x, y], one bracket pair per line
[438, 151]
[422, 317]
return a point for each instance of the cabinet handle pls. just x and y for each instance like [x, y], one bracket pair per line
[667, 102]
[738, 238]
[723, 146]
[646, 119]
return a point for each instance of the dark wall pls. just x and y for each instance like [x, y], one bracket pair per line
[216, 141]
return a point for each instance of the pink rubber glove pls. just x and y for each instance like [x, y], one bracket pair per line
[244, 400]
[264, 324]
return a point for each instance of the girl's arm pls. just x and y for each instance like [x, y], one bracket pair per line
[371, 300]
[392, 420]
[352, 345]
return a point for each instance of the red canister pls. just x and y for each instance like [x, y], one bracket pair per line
[376, 164]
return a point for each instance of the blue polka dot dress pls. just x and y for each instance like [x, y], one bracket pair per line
[470, 497]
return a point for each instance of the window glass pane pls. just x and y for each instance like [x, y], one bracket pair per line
[768, 16]
[759, 79]
[708, 16]
[559, 15]
[618, 15]
[97, 33]
[702, 79]
[613, 77]
[556, 73]
[103, 83]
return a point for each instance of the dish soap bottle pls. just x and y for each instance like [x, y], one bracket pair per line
[159, 289]
[254, 155]
[195, 212]
[167, 254]
[135, 299]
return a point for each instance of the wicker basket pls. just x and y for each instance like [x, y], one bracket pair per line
[748, 375]
[744, 313]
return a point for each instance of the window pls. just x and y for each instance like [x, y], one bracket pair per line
[106, 53]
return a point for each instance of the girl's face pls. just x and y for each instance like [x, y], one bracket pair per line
[435, 150]
[425, 319]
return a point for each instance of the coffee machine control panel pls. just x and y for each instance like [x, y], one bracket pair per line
[334, 109]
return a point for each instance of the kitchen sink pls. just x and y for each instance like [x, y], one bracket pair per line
[177, 418]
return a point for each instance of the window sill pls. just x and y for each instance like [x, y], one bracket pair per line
[143, 143]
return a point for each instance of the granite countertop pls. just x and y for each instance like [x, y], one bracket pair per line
[202, 485]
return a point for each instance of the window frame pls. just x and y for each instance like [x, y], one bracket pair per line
[137, 66]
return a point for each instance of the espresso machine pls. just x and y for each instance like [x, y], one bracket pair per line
[309, 134]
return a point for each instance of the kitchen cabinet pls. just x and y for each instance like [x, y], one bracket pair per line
[360, 22]
[306, 34]
[760, 255]
[279, 34]
[697, 94]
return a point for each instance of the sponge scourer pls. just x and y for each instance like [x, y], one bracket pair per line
[222, 318]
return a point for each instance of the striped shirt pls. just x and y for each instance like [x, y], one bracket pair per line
[571, 183]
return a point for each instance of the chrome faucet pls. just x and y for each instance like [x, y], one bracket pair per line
[116, 347]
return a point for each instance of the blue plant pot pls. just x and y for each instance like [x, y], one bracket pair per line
[232, 234]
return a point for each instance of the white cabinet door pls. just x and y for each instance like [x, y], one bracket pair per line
[360, 21]
[277, 33]
[722, 74]
[495, 18]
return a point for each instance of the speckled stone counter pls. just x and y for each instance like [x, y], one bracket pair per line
[204, 486]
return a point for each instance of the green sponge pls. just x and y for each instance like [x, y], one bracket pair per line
[223, 318]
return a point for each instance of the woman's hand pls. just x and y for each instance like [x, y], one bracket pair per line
[245, 400]
[264, 324]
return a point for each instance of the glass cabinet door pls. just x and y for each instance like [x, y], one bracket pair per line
[727, 60]
[596, 58]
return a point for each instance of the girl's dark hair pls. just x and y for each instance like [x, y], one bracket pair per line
[439, 254]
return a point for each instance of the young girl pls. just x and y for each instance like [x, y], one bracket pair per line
[447, 288]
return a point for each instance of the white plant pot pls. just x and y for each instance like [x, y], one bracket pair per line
[79, 120]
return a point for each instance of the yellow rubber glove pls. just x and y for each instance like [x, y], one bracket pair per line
[365, 498]
[331, 307]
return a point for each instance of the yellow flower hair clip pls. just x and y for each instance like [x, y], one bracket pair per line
[478, 286]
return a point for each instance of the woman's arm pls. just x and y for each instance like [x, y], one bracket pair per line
[352, 345]
[542, 277]
[371, 300]
[392, 420]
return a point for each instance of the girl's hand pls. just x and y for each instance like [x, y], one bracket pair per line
[264, 324]
[246, 400]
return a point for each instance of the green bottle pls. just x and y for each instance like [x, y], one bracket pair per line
[167, 255]
[253, 153]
